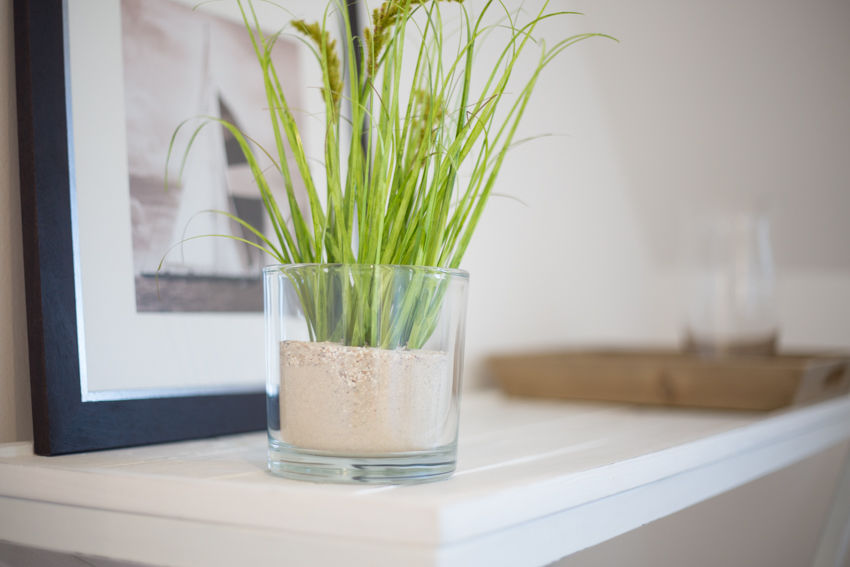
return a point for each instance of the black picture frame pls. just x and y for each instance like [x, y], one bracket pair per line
[62, 421]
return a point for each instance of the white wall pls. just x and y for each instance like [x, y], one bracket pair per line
[15, 423]
[700, 103]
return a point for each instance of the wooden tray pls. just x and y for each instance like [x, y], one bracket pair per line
[673, 378]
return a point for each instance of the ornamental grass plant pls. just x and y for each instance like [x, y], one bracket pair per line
[411, 152]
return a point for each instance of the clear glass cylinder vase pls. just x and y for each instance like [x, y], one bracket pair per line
[732, 307]
[363, 366]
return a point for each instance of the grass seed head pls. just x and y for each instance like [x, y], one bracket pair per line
[330, 58]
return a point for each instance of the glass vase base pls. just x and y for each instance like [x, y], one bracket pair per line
[397, 468]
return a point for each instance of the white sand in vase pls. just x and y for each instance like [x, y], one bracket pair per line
[364, 400]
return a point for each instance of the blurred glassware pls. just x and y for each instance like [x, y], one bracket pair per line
[731, 300]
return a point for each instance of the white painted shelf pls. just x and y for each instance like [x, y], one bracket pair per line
[536, 481]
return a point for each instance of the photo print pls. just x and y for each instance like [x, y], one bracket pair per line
[182, 64]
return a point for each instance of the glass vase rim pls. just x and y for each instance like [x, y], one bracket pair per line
[453, 272]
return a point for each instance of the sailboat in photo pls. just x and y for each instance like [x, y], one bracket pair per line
[209, 269]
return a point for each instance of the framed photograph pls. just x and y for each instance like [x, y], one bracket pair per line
[144, 312]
